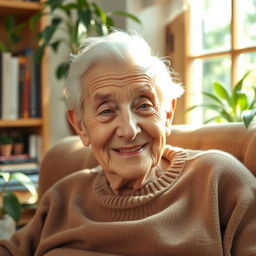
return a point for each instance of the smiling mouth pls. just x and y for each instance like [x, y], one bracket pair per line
[130, 149]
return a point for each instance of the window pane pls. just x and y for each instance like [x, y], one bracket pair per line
[247, 23]
[247, 62]
[216, 69]
[204, 74]
[210, 25]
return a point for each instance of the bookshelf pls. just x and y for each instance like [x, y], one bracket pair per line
[22, 11]
[39, 125]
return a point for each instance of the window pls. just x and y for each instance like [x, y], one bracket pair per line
[221, 46]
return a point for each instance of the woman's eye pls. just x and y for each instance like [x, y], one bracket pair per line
[145, 106]
[106, 112]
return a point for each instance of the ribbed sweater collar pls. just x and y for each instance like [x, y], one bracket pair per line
[177, 158]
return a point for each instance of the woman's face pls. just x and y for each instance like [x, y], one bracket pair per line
[125, 124]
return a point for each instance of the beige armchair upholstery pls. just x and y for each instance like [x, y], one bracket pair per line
[69, 155]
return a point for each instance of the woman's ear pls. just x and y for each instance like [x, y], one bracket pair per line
[78, 127]
[169, 118]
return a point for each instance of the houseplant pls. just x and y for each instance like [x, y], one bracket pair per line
[77, 19]
[18, 144]
[5, 145]
[13, 34]
[11, 208]
[234, 105]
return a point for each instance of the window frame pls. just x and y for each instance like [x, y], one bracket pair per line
[234, 53]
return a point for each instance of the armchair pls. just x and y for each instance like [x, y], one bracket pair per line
[69, 155]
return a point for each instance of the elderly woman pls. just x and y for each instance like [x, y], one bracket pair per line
[144, 198]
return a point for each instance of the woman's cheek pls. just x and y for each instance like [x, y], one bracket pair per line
[157, 134]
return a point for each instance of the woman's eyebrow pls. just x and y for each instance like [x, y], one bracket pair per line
[99, 96]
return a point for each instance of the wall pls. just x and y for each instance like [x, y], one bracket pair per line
[154, 14]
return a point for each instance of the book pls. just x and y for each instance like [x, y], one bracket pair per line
[1, 75]
[6, 60]
[34, 143]
[26, 86]
[34, 110]
[17, 159]
[26, 168]
[14, 88]
[22, 70]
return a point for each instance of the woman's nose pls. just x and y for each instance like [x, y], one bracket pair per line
[128, 127]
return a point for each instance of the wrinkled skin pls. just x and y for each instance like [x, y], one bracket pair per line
[125, 124]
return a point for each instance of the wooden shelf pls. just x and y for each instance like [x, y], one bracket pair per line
[18, 7]
[25, 122]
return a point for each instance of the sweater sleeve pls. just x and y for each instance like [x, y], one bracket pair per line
[237, 199]
[25, 240]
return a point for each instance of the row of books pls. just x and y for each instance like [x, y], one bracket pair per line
[27, 163]
[19, 85]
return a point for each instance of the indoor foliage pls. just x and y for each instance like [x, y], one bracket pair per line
[77, 19]
[234, 105]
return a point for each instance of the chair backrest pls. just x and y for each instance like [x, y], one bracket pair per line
[69, 155]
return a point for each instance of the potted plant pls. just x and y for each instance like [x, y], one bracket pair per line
[13, 34]
[18, 144]
[11, 208]
[6, 144]
[234, 105]
[77, 19]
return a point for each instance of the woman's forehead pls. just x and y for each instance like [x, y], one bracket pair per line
[102, 75]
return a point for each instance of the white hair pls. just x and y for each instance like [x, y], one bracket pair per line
[117, 47]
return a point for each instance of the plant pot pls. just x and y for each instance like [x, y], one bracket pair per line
[7, 227]
[6, 149]
[18, 148]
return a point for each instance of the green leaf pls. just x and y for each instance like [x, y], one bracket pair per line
[38, 54]
[129, 15]
[55, 45]
[101, 29]
[69, 7]
[212, 97]
[35, 19]
[25, 181]
[253, 103]
[74, 33]
[110, 22]
[83, 3]
[11, 205]
[242, 101]
[239, 85]
[248, 116]
[62, 70]
[237, 90]
[56, 21]
[222, 92]
[2, 47]
[100, 13]
[20, 27]
[85, 17]
[48, 33]
[5, 176]
[227, 116]
[9, 23]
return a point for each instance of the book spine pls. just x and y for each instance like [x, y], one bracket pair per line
[14, 87]
[6, 85]
[1, 77]
[34, 88]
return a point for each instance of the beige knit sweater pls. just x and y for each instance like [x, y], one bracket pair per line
[205, 204]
